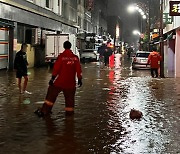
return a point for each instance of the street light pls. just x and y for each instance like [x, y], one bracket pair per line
[135, 7]
[136, 32]
[131, 8]
[144, 12]
[144, 17]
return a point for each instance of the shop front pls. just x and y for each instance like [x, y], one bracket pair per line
[6, 32]
[4, 47]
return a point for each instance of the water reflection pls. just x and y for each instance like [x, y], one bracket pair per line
[101, 123]
[23, 99]
[147, 95]
[61, 135]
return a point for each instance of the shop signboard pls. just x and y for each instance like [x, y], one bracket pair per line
[167, 19]
[174, 8]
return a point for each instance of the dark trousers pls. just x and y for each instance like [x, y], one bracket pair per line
[154, 71]
[52, 94]
[106, 60]
[69, 95]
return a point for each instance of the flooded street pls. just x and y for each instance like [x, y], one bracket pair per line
[101, 123]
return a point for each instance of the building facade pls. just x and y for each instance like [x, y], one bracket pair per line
[28, 21]
[172, 41]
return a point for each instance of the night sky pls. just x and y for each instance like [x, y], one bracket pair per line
[130, 21]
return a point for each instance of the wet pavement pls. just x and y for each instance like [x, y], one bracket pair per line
[101, 123]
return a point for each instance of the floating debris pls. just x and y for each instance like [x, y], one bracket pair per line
[26, 101]
[135, 114]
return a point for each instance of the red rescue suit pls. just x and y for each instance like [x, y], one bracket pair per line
[66, 67]
[153, 59]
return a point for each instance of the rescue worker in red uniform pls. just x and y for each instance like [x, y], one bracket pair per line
[66, 68]
[154, 59]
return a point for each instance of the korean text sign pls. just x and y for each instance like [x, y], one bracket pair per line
[174, 8]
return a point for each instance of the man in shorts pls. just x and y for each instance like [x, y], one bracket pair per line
[65, 70]
[20, 65]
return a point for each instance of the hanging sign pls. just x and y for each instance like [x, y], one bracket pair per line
[174, 8]
[167, 19]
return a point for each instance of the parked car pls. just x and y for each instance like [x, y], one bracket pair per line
[89, 54]
[140, 59]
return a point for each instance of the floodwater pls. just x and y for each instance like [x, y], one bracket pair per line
[101, 123]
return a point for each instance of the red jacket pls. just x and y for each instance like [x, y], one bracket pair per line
[66, 67]
[153, 59]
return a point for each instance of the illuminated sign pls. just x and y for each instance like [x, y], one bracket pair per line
[174, 8]
[155, 35]
[167, 19]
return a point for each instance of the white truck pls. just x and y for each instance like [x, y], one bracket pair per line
[54, 46]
